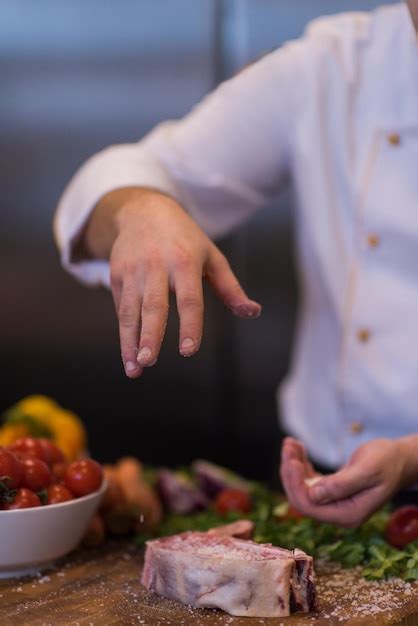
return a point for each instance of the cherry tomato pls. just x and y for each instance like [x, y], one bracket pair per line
[83, 477]
[24, 499]
[58, 472]
[58, 493]
[232, 500]
[293, 514]
[51, 452]
[402, 526]
[36, 474]
[29, 447]
[11, 470]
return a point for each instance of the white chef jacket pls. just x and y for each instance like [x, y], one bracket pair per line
[338, 110]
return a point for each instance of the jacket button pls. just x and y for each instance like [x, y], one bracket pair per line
[394, 139]
[356, 428]
[363, 335]
[373, 240]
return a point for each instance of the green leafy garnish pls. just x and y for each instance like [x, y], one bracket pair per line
[43, 495]
[363, 547]
[6, 493]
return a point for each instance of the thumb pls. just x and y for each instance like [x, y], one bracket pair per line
[341, 485]
[224, 282]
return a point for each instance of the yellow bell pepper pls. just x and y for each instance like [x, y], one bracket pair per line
[10, 432]
[37, 405]
[40, 416]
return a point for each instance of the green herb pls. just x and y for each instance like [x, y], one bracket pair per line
[6, 493]
[364, 546]
[140, 540]
[149, 474]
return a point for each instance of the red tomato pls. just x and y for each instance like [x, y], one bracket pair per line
[83, 477]
[51, 452]
[24, 499]
[58, 472]
[57, 494]
[232, 500]
[36, 474]
[293, 513]
[29, 447]
[10, 469]
[402, 526]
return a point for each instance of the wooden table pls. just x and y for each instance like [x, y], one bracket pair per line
[101, 587]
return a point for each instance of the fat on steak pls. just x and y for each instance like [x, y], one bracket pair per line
[243, 578]
[242, 529]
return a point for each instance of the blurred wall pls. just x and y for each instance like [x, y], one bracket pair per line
[76, 76]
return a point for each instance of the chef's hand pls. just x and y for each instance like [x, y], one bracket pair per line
[154, 246]
[375, 472]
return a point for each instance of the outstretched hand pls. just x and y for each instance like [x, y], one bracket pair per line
[374, 473]
[154, 246]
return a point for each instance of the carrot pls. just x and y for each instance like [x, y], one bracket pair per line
[138, 494]
[117, 513]
[95, 534]
[113, 496]
[120, 519]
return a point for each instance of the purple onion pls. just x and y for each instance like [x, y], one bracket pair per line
[179, 494]
[213, 478]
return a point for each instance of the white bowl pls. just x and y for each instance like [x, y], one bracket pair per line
[32, 539]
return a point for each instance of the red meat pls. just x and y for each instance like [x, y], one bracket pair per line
[241, 577]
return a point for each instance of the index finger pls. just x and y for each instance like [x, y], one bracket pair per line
[224, 282]
[294, 449]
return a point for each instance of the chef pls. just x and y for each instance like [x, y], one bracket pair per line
[338, 111]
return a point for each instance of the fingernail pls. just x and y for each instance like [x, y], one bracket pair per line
[130, 367]
[310, 482]
[144, 356]
[318, 493]
[251, 311]
[187, 346]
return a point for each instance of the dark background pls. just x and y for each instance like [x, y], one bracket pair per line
[76, 76]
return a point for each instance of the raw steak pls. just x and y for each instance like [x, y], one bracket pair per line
[241, 577]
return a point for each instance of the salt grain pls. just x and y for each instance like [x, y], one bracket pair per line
[43, 580]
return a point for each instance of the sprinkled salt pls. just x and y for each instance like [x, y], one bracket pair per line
[44, 579]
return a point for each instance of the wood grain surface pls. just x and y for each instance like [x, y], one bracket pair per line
[101, 587]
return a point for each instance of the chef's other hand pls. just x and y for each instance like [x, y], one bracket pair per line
[153, 247]
[375, 472]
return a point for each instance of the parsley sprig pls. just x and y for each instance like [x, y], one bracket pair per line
[363, 547]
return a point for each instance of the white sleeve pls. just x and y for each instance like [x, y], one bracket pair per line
[221, 162]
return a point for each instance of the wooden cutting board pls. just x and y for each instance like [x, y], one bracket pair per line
[101, 587]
